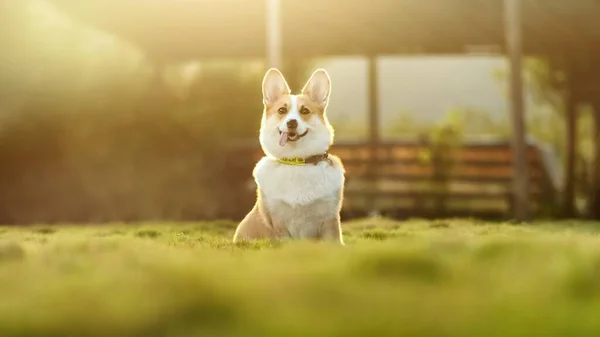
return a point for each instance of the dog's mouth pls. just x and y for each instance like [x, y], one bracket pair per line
[290, 136]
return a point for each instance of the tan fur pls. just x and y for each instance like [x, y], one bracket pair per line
[296, 202]
[303, 102]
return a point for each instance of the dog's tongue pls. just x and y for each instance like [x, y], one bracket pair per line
[283, 139]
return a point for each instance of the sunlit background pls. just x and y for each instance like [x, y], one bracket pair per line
[129, 131]
[140, 110]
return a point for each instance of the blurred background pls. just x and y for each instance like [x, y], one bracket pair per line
[138, 110]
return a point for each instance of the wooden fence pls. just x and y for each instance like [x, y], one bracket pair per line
[406, 178]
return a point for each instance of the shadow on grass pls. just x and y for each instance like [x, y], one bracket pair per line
[148, 233]
[398, 265]
[44, 230]
[10, 251]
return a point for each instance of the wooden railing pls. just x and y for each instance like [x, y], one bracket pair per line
[398, 180]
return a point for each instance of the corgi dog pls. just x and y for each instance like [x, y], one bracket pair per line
[299, 184]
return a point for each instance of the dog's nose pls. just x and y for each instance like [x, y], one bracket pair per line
[292, 124]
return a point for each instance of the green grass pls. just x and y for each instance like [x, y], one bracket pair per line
[414, 278]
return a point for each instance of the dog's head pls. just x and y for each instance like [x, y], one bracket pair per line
[295, 125]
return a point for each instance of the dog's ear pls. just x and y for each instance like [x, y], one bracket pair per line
[318, 87]
[274, 86]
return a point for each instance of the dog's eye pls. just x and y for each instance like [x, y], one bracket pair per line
[282, 110]
[304, 111]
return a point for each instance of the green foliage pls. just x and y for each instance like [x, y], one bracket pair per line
[404, 125]
[471, 122]
[392, 278]
[546, 83]
[542, 81]
[93, 130]
[442, 146]
[445, 154]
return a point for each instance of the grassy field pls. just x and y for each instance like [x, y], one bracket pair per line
[412, 278]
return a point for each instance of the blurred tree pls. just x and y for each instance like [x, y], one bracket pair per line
[550, 86]
[91, 129]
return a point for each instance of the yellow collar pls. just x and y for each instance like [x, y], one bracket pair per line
[297, 161]
[292, 161]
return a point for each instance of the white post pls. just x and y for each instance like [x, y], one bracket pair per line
[273, 30]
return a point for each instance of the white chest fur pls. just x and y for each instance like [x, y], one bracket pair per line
[299, 198]
[297, 185]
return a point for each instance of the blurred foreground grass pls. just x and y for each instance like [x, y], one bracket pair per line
[413, 278]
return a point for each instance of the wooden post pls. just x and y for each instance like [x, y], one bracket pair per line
[519, 147]
[273, 32]
[594, 197]
[570, 101]
[374, 134]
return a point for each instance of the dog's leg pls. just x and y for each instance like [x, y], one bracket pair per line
[252, 227]
[332, 231]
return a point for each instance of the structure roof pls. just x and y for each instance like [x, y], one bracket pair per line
[185, 29]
